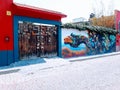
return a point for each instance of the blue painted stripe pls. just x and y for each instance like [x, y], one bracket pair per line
[35, 20]
[59, 42]
[10, 57]
[3, 58]
[16, 48]
[6, 57]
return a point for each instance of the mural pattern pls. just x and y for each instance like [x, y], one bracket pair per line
[89, 43]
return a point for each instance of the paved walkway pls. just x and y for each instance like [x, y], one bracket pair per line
[50, 62]
[64, 74]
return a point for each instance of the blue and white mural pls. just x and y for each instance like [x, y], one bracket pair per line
[81, 43]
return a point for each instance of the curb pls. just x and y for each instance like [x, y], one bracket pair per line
[92, 57]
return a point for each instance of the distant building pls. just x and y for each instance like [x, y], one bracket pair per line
[80, 21]
[104, 21]
[92, 15]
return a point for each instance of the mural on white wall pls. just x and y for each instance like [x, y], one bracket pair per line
[72, 42]
[81, 43]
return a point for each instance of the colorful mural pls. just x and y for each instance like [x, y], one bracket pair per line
[81, 43]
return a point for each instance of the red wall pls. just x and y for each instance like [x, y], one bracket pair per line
[117, 19]
[6, 20]
[30, 11]
[6, 25]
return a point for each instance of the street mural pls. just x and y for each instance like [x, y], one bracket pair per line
[81, 43]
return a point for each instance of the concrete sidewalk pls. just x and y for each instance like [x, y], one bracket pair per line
[96, 73]
[47, 63]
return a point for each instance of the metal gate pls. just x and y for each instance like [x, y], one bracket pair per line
[37, 40]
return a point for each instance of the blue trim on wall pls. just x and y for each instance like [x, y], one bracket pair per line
[59, 42]
[6, 57]
[3, 58]
[16, 48]
[35, 20]
[10, 57]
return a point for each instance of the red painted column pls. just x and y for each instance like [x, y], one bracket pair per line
[6, 25]
[117, 20]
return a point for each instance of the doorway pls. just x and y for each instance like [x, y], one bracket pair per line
[36, 40]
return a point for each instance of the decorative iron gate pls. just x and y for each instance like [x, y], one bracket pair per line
[37, 40]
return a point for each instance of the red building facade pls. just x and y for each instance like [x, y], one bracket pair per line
[10, 16]
[117, 26]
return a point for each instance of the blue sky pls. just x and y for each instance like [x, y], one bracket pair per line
[72, 8]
